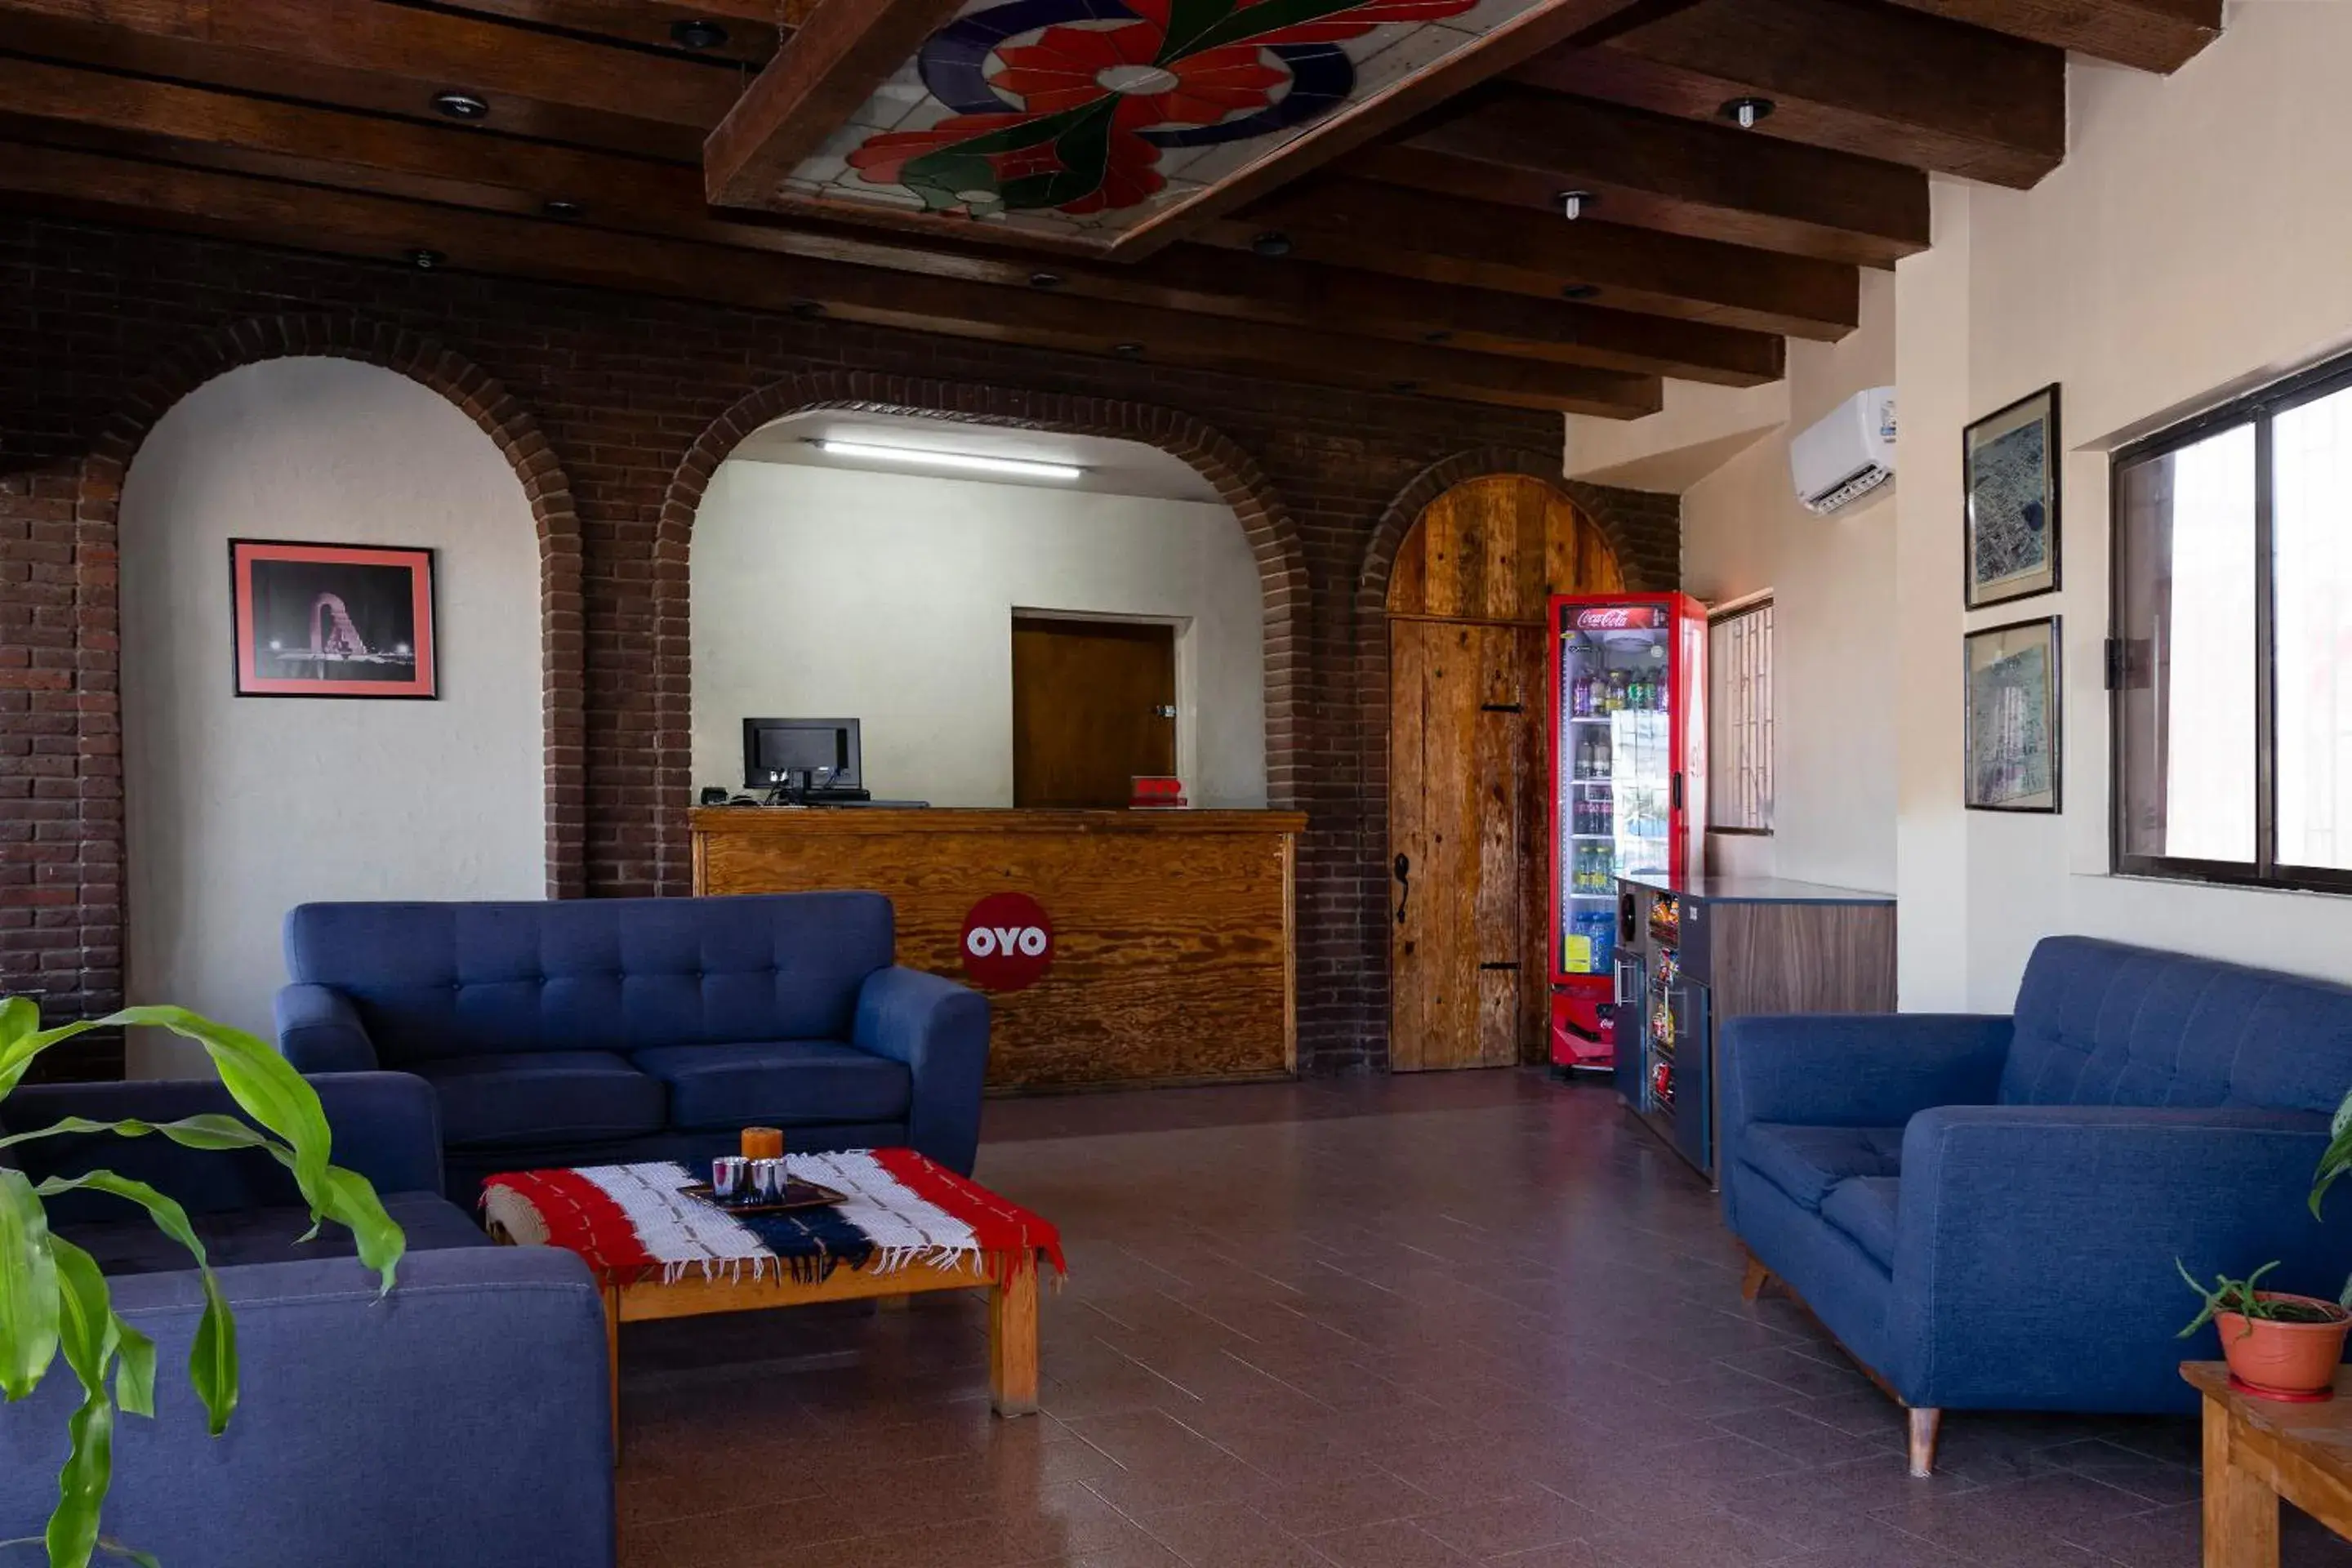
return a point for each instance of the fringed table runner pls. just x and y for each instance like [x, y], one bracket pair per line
[633, 1224]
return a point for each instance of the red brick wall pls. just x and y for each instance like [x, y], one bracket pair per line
[613, 409]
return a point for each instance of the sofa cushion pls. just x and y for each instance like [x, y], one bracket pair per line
[1864, 1207]
[2099, 1023]
[1807, 1162]
[537, 1097]
[786, 1083]
[133, 1245]
[437, 980]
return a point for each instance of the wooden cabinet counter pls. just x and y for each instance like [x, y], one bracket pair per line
[1168, 953]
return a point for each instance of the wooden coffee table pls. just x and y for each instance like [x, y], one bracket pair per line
[658, 1253]
[2260, 1450]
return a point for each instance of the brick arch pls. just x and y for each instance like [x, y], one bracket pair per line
[1240, 484]
[1371, 619]
[97, 515]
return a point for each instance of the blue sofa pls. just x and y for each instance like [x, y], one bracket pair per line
[462, 1419]
[1985, 1211]
[594, 1031]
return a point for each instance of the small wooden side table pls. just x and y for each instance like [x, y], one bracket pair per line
[2260, 1450]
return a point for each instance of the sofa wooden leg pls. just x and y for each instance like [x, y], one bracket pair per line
[1752, 1282]
[1924, 1425]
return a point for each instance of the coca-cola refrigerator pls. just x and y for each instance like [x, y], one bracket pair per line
[1628, 762]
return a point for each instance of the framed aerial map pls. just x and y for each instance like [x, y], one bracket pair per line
[2012, 691]
[2010, 472]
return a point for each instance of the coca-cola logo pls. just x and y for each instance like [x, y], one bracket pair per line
[1008, 943]
[1619, 617]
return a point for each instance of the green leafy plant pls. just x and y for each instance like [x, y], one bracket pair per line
[54, 1301]
[2244, 1298]
[2332, 1164]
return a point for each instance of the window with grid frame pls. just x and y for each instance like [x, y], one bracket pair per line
[2230, 663]
[1739, 707]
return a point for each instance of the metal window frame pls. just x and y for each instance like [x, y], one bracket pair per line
[1753, 605]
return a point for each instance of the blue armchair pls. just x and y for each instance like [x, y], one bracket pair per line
[462, 1419]
[1985, 1211]
[594, 1031]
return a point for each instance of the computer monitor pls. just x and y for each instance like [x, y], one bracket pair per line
[801, 755]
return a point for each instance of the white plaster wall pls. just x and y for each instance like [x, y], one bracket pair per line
[239, 808]
[889, 597]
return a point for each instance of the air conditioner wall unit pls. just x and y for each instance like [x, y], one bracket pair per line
[1847, 455]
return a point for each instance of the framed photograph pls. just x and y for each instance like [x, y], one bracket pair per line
[2008, 468]
[2013, 719]
[331, 620]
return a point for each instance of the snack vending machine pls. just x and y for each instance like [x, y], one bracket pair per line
[1628, 757]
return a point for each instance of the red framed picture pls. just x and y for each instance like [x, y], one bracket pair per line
[332, 620]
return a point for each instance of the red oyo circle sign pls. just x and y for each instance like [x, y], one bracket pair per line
[1008, 943]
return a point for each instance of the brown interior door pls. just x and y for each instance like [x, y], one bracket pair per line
[1094, 704]
[1466, 801]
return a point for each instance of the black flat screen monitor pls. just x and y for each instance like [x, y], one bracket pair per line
[801, 753]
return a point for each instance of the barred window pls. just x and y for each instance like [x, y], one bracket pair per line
[1739, 705]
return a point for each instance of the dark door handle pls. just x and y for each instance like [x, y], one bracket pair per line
[1404, 885]
[1678, 792]
[1512, 967]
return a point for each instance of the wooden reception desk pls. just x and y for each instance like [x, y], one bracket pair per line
[1173, 936]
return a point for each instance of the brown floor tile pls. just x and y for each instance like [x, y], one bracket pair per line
[1395, 1545]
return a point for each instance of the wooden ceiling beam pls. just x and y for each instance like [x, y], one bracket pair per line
[392, 59]
[312, 219]
[226, 130]
[751, 26]
[1857, 76]
[2159, 35]
[1446, 239]
[833, 63]
[1523, 148]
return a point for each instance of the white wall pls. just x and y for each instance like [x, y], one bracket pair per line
[890, 597]
[239, 808]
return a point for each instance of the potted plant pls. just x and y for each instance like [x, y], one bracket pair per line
[2278, 1345]
[54, 1301]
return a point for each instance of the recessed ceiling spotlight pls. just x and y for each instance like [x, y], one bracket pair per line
[1746, 112]
[807, 309]
[425, 260]
[462, 105]
[1574, 204]
[923, 458]
[1578, 292]
[1045, 281]
[1130, 350]
[1438, 335]
[561, 207]
[1273, 242]
[698, 34]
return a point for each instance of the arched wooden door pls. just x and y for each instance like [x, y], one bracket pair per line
[1466, 840]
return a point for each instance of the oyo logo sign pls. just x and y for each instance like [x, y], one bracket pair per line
[1618, 618]
[1008, 943]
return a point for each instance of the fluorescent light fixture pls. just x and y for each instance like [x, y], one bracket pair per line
[921, 457]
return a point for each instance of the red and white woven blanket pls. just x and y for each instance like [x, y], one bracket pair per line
[633, 1223]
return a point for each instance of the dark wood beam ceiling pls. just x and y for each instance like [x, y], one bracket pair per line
[1446, 239]
[1524, 148]
[285, 213]
[844, 51]
[2153, 34]
[1858, 75]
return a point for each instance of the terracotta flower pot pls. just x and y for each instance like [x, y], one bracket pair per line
[2286, 1360]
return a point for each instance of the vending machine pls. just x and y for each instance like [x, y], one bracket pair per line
[1628, 759]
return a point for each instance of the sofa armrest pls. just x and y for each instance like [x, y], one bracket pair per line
[2034, 1245]
[1857, 1069]
[386, 1127]
[319, 1030]
[940, 1029]
[463, 1418]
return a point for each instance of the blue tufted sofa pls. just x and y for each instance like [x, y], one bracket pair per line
[1985, 1211]
[590, 1031]
[462, 1419]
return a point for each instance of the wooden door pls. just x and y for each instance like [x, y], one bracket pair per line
[1467, 778]
[1466, 840]
[1094, 704]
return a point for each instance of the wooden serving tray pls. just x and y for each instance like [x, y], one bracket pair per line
[798, 1194]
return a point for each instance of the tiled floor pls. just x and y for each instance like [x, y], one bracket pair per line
[1410, 1323]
